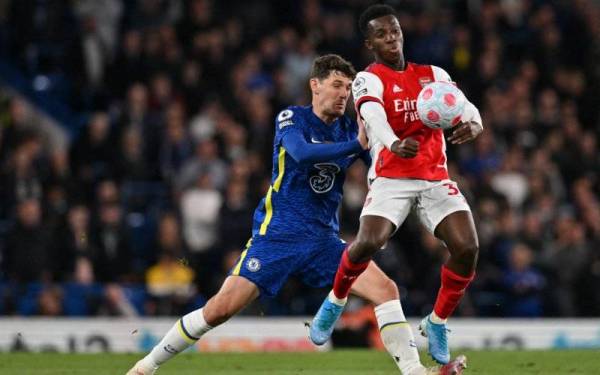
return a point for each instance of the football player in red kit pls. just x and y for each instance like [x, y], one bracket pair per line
[408, 172]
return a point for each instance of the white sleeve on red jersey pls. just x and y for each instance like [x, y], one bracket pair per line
[367, 87]
[470, 113]
[376, 124]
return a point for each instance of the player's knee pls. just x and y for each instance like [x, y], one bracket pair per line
[369, 243]
[389, 290]
[467, 254]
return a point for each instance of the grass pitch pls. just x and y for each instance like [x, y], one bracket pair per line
[338, 362]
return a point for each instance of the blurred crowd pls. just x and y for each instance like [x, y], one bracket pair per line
[145, 208]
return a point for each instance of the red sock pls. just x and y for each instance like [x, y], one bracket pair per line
[451, 292]
[346, 274]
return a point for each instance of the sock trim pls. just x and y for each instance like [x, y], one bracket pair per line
[353, 266]
[389, 306]
[185, 334]
[392, 324]
[337, 301]
[456, 277]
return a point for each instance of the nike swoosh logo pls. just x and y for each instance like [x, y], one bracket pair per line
[315, 140]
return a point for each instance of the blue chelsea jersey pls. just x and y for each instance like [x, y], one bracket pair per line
[304, 198]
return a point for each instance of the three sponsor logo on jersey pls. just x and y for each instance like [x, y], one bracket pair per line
[324, 180]
[320, 183]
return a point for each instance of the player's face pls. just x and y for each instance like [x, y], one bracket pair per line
[386, 40]
[333, 93]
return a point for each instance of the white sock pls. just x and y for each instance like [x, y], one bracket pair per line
[337, 301]
[185, 332]
[436, 319]
[398, 338]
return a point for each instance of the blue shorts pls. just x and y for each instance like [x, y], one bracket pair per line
[269, 263]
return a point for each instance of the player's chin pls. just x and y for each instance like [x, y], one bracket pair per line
[393, 56]
[339, 110]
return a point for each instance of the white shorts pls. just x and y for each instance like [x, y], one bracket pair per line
[432, 200]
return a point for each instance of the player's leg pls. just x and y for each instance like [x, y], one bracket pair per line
[445, 212]
[386, 207]
[396, 334]
[387, 204]
[235, 293]
[457, 230]
[373, 233]
[395, 331]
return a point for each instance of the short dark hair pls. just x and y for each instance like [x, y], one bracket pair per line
[324, 65]
[372, 12]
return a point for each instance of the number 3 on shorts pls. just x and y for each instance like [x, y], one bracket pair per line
[453, 190]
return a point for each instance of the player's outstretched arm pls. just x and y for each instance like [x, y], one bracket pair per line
[470, 126]
[304, 152]
[465, 132]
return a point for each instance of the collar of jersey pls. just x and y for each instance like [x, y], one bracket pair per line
[314, 119]
[408, 68]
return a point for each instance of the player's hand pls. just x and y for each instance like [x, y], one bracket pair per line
[362, 135]
[465, 132]
[406, 148]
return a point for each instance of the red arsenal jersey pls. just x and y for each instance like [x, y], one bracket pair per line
[397, 91]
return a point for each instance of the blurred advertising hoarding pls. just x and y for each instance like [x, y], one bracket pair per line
[276, 334]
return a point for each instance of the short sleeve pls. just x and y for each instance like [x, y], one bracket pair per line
[367, 87]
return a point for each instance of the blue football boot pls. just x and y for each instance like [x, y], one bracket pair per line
[323, 323]
[437, 337]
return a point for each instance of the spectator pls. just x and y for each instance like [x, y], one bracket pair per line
[170, 280]
[92, 156]
[76, 256]
[200, 207]
[206, 162]
[565, 259]
[112, 241]
[176, 145]
[27, 255]
[523, 284]
[235, 216]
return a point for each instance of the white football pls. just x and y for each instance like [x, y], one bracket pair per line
[440, 105]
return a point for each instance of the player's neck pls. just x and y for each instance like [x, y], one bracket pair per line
[399, 65]
[327, 119]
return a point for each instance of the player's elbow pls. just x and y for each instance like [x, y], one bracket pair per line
[303, 159]
[299, 155]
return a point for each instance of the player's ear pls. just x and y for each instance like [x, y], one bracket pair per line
[314, 86]
[368, 44]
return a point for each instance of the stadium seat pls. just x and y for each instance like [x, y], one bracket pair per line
[136, 294]
[80, 299]
[27, 298]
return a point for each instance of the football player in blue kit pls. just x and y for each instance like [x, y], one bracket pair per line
[296, 229]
